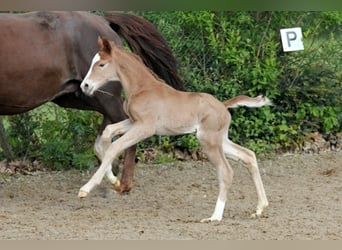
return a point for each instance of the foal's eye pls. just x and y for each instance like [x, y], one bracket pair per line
[101, 65]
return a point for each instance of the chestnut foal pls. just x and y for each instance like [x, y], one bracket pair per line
[154, 107]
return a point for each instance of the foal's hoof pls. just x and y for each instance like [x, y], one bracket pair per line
[258, 216]
[259, 211]
[208, 220]
[82, 194]
[255, 216]
[116, 184]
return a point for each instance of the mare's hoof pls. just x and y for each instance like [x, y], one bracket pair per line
[122, 188]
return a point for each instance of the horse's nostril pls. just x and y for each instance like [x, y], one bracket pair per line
[86, 85]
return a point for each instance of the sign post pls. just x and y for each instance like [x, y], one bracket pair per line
[292, 39]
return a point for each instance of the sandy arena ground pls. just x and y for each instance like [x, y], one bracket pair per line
[168, 201]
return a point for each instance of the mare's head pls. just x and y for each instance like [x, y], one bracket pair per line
[100, 71]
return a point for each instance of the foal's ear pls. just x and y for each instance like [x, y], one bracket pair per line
[104, 45]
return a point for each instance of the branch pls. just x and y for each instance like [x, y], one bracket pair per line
[4, 143]
[264, 34]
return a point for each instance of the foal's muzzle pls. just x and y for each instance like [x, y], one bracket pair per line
[87, 88]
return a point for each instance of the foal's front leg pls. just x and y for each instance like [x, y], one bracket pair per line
[110, 131]
[115, 129]
[137, 133]
[99, 151]
[100, 147]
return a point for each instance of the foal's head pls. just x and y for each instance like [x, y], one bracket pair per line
[100, 71]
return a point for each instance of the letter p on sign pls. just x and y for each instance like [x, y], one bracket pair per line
[292, 39]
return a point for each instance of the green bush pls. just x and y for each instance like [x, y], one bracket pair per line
[232, 53]
[60, 138]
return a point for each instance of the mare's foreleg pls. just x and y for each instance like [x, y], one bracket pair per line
[130, 138]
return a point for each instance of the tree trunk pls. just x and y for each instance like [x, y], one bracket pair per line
[4, 143]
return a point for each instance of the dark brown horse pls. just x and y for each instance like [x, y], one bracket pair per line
[44, 57]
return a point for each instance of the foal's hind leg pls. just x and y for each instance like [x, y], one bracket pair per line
[248, 158]
[225, 173]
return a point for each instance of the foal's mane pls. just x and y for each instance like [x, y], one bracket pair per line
[118, 52]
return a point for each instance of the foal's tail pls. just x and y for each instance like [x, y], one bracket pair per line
[144, 39]
[243, 100]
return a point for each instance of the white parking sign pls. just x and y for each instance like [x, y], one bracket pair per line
[292, 39]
